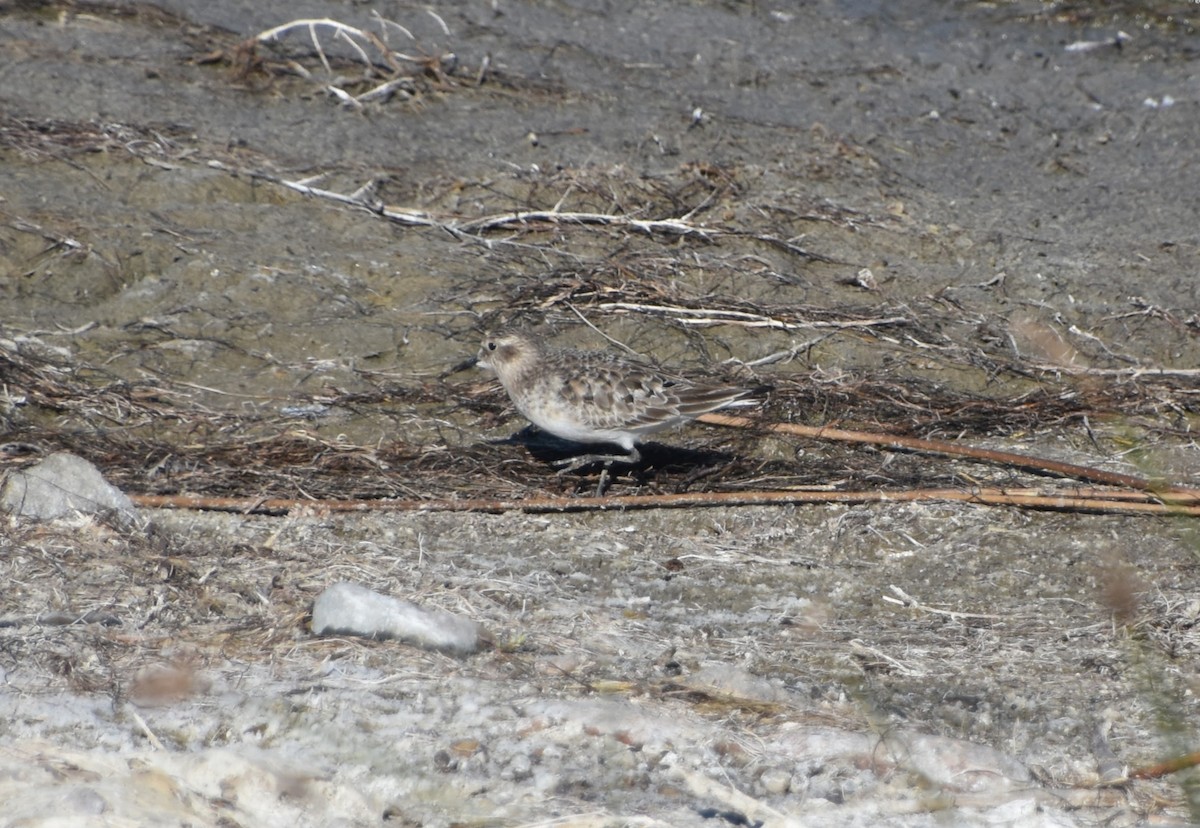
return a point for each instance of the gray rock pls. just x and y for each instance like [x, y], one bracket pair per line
[350, 609]
[61, 485]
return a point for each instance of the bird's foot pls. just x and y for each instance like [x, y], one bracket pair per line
[570, 464]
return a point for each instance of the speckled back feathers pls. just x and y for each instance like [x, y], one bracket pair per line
[592, 396]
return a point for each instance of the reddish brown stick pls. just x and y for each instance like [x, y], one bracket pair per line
[1087, 501]
[1191, 760]
[1007, 458]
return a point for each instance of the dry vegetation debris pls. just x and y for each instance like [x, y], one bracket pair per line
[151, 439]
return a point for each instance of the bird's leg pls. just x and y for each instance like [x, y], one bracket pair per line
[603, 482]
[573, 463]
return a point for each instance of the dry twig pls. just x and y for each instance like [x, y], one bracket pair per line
[1169, 494]
[905, 600]
[714, 316]
[1031, 499]
[1170, 766]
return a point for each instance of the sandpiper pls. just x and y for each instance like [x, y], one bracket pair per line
[597, 397]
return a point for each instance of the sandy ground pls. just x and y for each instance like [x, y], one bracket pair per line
[1025, 203]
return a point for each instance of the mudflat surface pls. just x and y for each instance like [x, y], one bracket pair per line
[256, 271]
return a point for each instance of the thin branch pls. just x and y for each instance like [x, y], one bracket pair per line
[145, 728]
[353, 44]
[1133, 373]
[441, 22]
[310, 25]
[385, 24]
[712, 316]
[1169, 494]
[1170, 766]
[906, 600]
[316, 42]
[613, 341]
[672, 227]
[1096, 502]
[472, 228]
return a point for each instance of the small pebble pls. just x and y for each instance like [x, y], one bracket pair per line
[776, 781]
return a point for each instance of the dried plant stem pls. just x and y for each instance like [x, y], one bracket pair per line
[347, 34]
[1170, 766]
[1171, 494]
[670, 227]
[905, 600]
[474, 228]
[1137, 372]
[715, 316]
[1091, 500]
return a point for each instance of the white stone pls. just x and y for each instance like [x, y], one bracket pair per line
[351, 609]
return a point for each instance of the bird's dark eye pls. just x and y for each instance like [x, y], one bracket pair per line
[491, 346]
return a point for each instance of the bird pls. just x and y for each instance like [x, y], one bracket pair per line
[596, 396]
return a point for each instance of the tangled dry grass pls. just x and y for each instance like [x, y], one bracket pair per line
[151, 440]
